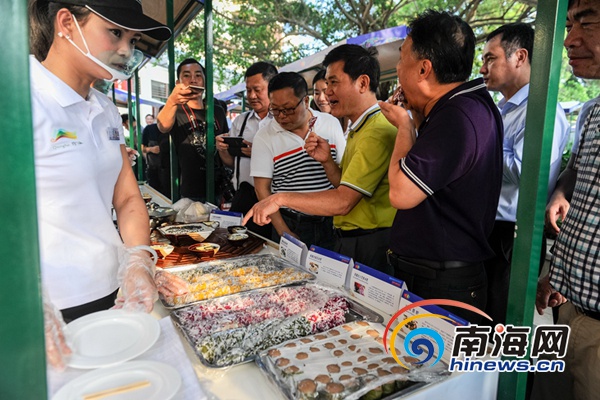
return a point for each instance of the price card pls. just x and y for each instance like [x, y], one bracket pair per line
[330, 267]
[292, 249]
[443, 326]
[226, 218]
[376, 288]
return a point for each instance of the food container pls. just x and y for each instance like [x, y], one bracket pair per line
[178, 233]
[237, 229]
[205, 249]
[237, 239]
[211, 279]
[233, 329]
[163, 249]
[346, 362]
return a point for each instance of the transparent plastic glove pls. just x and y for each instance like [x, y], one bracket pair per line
[170, 285]
[136, 278]
[132, 154]
[58, 350]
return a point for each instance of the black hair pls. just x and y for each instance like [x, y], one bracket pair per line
[42, 14]
[320, 76]
[125, 118]
[445, 40]
[514, 37]
[289, 80]
[267, 70]
[188, 61]
[357, 61]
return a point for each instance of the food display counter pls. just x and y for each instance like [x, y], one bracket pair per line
[248, 381]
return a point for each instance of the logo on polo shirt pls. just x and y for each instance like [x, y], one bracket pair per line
[63, 134]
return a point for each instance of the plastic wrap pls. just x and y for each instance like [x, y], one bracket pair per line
[232, 330]
[347, 362]
[218, 278]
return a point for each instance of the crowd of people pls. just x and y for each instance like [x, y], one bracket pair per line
[425, 190]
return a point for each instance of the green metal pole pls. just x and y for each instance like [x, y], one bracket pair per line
[138, 128]
[132, 142]
[210, 108]
[23, 366]
[174, 167]
[543, 94]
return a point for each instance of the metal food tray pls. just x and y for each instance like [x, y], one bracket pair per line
[261, 361]
[355, 312]
[269, 261]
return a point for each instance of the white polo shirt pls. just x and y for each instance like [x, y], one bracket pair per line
[253, 125]
[279, 154]
[77, 163]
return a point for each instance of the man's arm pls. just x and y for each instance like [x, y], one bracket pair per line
[319, 149]
[166, 117]
[404, 193]
[262, 186]
[339, 201]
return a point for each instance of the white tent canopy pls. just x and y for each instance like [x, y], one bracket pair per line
[387, 42]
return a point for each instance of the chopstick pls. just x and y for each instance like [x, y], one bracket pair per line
[117, 390]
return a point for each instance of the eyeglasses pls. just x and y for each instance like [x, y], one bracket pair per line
[285, 111]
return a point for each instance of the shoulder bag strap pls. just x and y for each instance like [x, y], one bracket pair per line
[237, 159]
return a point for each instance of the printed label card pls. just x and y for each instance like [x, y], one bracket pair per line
[438, 319]
[375, 288]
[329, 267]
[226, 218]
[292, 249]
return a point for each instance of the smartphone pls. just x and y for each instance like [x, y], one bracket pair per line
[235, 143]
[196, 89]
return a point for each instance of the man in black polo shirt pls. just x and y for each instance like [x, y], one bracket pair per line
[446, 183]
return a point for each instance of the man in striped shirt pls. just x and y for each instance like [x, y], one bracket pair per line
[281, 164]
[359, 201]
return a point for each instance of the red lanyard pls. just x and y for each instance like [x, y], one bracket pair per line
[191, 117]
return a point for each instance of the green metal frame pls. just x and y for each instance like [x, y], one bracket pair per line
[210, 106]
[22, 375]
[174, 167]
[23, 366]
[543, 96]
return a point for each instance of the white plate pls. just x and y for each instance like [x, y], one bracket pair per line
[110, 337]
[164, 382]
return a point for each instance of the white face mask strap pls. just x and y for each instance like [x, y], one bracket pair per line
[82, 38]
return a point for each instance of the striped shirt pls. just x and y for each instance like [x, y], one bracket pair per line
[574, 268]
[279, 155]
[296, 171]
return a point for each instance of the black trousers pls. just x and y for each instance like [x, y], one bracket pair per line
[498, 268]
[467, 284]
[243, 200]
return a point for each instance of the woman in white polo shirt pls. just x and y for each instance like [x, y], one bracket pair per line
[81, 165]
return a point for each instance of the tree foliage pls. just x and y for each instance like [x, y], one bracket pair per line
[283, 31]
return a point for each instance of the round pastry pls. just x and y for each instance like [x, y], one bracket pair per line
[333, 368]
[274, 353]
[322, 378]
[282, 362]
[307, 387]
